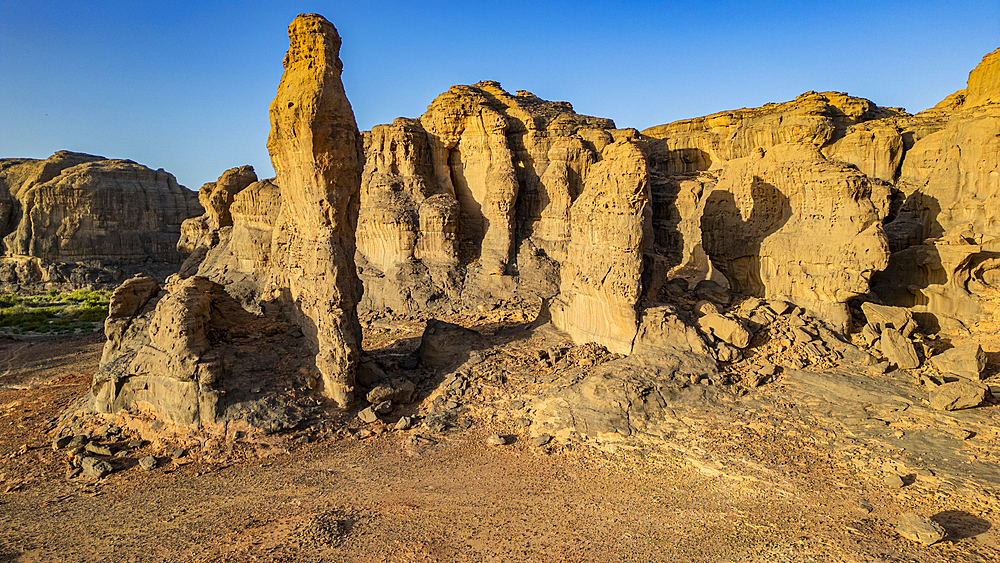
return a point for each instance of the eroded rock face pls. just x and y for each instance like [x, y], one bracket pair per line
[946, 251]
[77, 207]
[316, 151]
[768, 201]
[237, 254]
[264, 308]
[192, 356]
[771, 200]
[77, 219]
[470, 203]
[602, 274]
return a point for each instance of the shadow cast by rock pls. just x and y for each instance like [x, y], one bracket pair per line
[960, 524]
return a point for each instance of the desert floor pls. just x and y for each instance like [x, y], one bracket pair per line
[770, 476]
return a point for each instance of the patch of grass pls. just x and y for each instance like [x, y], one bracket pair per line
[54, 313]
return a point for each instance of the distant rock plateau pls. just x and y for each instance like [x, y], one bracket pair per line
[77, 220]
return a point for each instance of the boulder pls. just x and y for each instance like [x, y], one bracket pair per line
[95, 468]
[444, 346]
[399, 391]
[883, 316]
[727, 329]
[919, 528]
[966, 361]
[165, 358]
[370, 374]
[959, 395]
[148, 463]
[898, 349]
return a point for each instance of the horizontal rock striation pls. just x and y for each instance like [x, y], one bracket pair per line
[83, 212]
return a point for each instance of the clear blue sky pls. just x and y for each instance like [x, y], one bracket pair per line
[185, 86]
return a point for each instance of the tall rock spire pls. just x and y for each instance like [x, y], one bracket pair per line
[317, 155]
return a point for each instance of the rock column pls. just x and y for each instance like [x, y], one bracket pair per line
[317, 155]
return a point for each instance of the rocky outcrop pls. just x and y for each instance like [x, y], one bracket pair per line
[781, 202]
[602, 273]
[317, 155]
[190, 355]
[271, 272]
[946, 251]
[77, 207]
[770, 201]
[66, 218]
[470, 203]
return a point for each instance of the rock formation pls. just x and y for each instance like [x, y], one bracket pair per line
[682, 247]
[271, 273]
[601, 275]
[190, 355]
[62, 218]
[527, 193]
[946, 251]
[317, 154]
[769, 201]
[470, 203]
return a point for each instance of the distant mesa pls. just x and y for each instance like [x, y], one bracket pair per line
[76, 219]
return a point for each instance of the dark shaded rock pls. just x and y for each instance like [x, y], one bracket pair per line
[898, 349]
[711, 291]
[400, 391]
[148, 463]
[61, 442]
[445, 346]
[94, 467]
[541, 440]
[370, 374]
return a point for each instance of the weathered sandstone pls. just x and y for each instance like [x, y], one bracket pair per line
[271, 272]
[946, 251]
[76, 207]
[470, 203]
[317, 155]
[602, 273]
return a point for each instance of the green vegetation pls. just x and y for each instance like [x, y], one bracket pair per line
[53, 313]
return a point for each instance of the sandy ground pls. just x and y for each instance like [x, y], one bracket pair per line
[750, 480]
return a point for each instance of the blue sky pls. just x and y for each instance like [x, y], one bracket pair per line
[185, 86]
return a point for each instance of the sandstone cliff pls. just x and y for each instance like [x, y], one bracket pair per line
[773, 198]
[73, 208]
[736, 197]
[470, 203]
[944, 231]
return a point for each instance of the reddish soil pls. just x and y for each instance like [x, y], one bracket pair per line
[727, 491]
